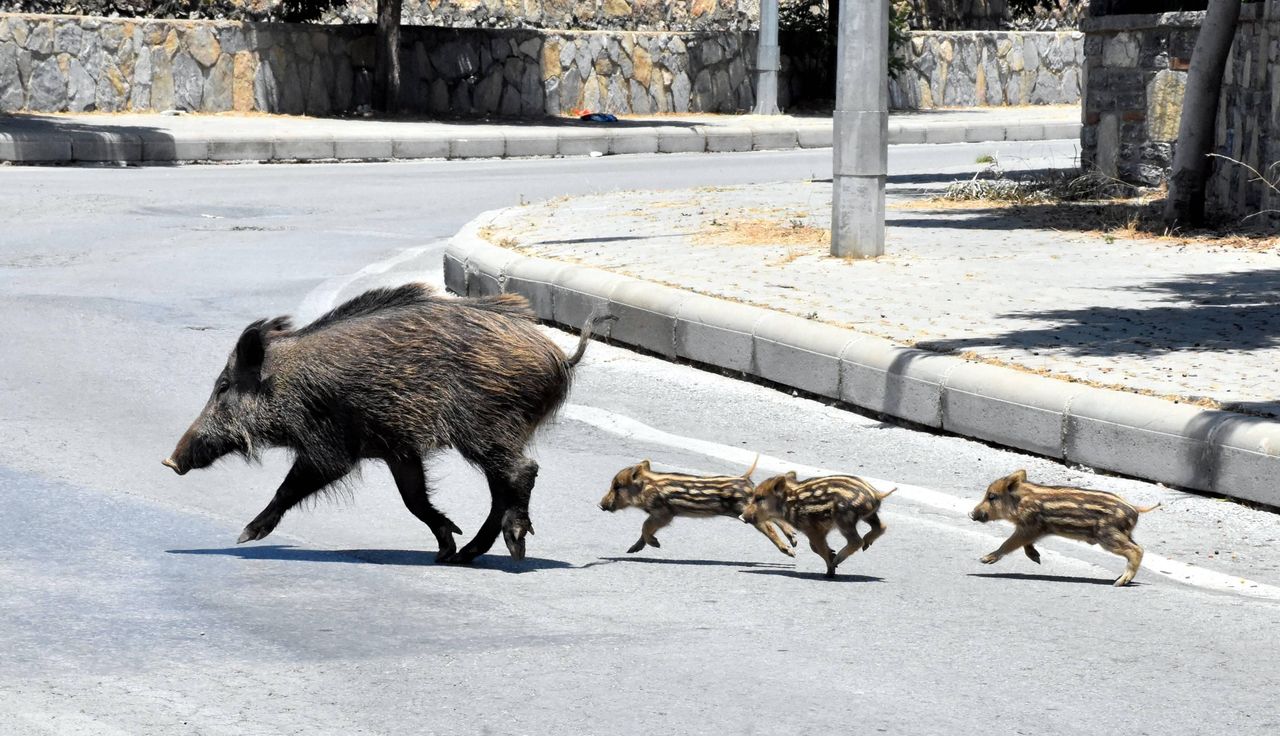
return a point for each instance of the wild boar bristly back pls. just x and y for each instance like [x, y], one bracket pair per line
[405, 370]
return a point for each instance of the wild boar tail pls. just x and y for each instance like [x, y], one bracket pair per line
[882, 496]
[597, 317]
[1145, 509]
[752, 469]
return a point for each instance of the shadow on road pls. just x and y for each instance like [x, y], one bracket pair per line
[1046, 578]
[839, 578]
[402, 557]
[697, 563]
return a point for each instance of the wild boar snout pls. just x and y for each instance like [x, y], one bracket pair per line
[979, 515]
[172, 464]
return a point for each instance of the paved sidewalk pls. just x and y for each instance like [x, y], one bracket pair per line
[158, 138]
[1139, 356]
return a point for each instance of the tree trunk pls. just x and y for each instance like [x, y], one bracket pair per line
[1185, 204]
[386, 57]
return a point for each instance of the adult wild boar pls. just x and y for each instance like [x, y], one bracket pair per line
[392, 375]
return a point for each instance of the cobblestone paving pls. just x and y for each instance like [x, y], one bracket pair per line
[1191, 321]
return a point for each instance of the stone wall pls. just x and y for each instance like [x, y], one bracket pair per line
[971, 15]
[75, 64]
[623, 15]
[1248, 127]
[965, 69]
[1135, 71]
[1136, 67]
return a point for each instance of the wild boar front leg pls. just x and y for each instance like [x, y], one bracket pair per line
[302, 481]
[1020, 538]
[656, 520]
[412, 483]
[766, 528]
[787, 530]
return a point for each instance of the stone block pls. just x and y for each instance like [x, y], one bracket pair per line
[634, 140]
[681, 140]
[717, 332]
[532, 142]
[727, 138]
[1007, 407]
[801, 353]
[646, 315]
[1141, 435]
[420, 147]
[880, 376]
[478, 145]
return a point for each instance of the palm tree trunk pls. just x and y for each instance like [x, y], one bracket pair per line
[386, 57]
[1185, 204]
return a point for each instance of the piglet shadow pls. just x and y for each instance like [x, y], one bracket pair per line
[696, 563]
[839, 578]
[1048, 578]
[394, 557]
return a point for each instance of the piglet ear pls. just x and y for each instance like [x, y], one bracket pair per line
[1018, 477]
[644, 466]
[791, 475]
[251, 350]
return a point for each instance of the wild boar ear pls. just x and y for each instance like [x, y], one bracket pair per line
[791, 476]
[643, 466]
[1018, 477]
[251, 350]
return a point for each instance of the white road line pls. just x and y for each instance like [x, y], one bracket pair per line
[325, 296]
[624, 426]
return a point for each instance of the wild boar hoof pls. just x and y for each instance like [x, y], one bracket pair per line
[989, 559]
[789, 552]
[447, 549]
[254, 532]
[635, 547]
[515, 525]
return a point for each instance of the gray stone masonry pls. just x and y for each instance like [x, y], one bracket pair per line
[81, 64]
[1136, 68]
[988, 68]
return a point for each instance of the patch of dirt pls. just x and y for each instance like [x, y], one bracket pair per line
[762, 232]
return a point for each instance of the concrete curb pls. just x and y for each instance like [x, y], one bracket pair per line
[1207, 450]
[129, 146]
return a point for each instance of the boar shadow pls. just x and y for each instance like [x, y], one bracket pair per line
[839, 578]
[397, 557]
[696, 563]
[1046, 578]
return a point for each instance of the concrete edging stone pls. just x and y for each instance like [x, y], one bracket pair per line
[1178, 444]
[160, 146]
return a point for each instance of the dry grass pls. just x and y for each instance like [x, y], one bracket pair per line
[1090, 203]
[792, 232]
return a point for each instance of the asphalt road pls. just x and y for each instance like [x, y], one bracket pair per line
[126, 607]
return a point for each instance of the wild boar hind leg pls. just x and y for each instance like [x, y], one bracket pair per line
[510, 486]
[412, 482]
[303, 480]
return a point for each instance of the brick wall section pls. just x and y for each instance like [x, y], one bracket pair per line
[1135, 72]
[1135, 76]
